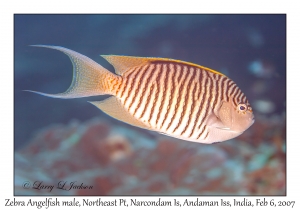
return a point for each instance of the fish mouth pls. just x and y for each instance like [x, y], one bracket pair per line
[253, 120]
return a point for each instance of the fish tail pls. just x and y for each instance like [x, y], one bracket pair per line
[89, 77]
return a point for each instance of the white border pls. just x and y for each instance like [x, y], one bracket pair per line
[154, 6]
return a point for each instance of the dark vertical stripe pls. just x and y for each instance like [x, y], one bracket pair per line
[227, 90]
[178, 68]
[172, 89]
[150, 92]
[200, 108]
[185, 95]
[187, 99]
[221, 89]
[232, 94]
[196, 87]
[241, 97]
[214, 89]
[147, 102]
[164, 68]
[126, 78]
[217, 80]
[200, 134]
[158, 89]
[207, 131]
[137, 89]
[244, 99]
[143, 78]
[206, 93]
[131, 83]
[231, 90]
[207, 109]
[237, 96]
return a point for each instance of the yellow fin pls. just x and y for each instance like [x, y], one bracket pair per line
[184, 62]
[113, 107]
[124, 63]
[196, 65]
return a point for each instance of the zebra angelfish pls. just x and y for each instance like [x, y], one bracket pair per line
[175, 98]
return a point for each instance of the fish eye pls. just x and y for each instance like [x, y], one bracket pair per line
[242, 107]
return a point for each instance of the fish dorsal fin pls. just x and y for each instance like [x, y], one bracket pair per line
[124, 63]
[113, 107]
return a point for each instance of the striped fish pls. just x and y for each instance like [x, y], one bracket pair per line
[175, 98]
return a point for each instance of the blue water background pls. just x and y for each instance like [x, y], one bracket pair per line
[250, 49]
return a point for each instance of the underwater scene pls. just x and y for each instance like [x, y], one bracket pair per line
[70, 147]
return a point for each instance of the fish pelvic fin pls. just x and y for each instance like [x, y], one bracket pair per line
[89, 77]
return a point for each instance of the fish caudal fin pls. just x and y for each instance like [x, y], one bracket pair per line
[89, 77]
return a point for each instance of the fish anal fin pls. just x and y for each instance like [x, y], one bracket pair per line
[124, 63]
[113, 107]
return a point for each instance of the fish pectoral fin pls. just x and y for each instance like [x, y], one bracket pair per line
[223, 128]
[214, 121]
[220, 128]
[114, 108]
[124, 63]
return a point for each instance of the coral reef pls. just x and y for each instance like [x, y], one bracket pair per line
[122, 160]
